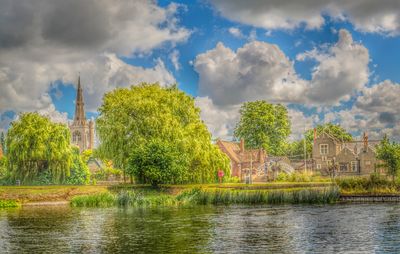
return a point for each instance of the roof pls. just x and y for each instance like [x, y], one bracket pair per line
[232, 149]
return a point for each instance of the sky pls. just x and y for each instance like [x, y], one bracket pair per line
[327, 61]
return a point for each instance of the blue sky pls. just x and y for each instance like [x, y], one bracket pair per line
[192, 30]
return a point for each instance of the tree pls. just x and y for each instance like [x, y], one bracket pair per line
[3, 142]
[79, 173]
[389, 153]
[158, 162]
[36, 146]
[296, 148]
[136, 118]
[264, 125]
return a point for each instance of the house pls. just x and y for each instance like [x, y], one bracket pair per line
[347, 158]
[241, 159]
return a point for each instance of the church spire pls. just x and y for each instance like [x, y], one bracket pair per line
[79, 106]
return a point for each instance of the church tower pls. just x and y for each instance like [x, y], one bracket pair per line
[82, 131]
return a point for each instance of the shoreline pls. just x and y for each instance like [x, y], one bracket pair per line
[62, 195]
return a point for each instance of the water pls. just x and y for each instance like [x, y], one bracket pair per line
[364, 228]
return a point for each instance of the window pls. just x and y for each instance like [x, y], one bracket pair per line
[324, 158]
[76, 137]
[318, 166]
[323, 149]
[354, 166]
[343, 167]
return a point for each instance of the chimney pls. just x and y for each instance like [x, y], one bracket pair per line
[315, 134]
[242, 145]
[365, 138]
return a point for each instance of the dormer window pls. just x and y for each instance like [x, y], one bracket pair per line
[323, 149]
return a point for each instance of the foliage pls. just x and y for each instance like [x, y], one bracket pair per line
[79, 173]
[297, 147]
[158, 162]
[389, 153]
[9, 203]
[36, 145]
[264, 125]
[300, 177]
[135, 119]
[87, 155]
[3, 167]
[375, 183]
[3, 143]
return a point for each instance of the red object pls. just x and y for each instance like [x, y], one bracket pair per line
[220, 175]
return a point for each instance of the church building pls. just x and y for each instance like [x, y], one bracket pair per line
[82, 130]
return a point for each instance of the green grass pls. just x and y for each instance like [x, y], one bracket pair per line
[9, 203]
[95, 200]
[198, 196]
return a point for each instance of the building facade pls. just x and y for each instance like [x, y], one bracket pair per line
[242, 160]
[346, 158]
[82, 130]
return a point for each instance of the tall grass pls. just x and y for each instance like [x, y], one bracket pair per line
[227, 197]
[105, 199]
[199, 196]
[9, 203]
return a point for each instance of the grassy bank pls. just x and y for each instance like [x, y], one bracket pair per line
[368, 185]
[209, 196]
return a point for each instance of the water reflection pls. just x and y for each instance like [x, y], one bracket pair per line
[273, 229]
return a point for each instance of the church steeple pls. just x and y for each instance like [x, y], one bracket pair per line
[79, 105]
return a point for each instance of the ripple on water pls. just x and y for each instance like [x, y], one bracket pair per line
[343, 228]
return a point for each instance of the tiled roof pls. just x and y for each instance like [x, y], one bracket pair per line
[233, 151]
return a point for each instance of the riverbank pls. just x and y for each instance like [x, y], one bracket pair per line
[176, 195]
[57, 193]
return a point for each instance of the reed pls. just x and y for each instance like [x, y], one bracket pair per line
[105, 199]
[199, 196]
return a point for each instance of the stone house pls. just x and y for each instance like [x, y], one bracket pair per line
[349, 158]
[241, 159]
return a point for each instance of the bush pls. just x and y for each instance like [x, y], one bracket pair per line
[9, 203]
[373, 183]
[79, 173]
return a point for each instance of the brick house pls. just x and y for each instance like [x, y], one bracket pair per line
[241, 159]
[350, 158]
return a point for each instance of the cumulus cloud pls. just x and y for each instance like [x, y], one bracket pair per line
[260, 70]
[49, 40]
[340, 72]
[367, 16]
[220, 120]
[375, 110]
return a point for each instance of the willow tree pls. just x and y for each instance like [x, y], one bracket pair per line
[37, 146]
[133, 121]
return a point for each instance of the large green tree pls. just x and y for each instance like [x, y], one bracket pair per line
[389, 153]
[296, 148]
[145, 117]
[37, 146]
[3, 142]
[264, 125]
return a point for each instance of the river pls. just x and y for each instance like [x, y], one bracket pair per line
[341, 228]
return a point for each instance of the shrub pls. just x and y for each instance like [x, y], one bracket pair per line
[9, 203]
[105, 199]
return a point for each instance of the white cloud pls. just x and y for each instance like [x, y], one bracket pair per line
[375, 111]
[340, 72]
[367, 16]
[49, 40]
[260, 70]
[236, 32]
[300, 123]
[220, 121]
[174, 57]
